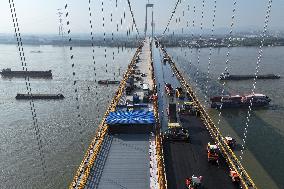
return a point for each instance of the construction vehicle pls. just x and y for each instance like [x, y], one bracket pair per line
[143, 75]
[129, 85]
[156, 44]
[176, 133]
[235, 177]
[188, 108]
[212, 153]
[185, 108]
[128, 89]
[194, 182]
[169, 89]
[172, 113]
[179, 93]
[230, 142]
[173, 125]
[165, 59]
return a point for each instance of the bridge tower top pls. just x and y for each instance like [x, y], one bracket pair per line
[149, 5]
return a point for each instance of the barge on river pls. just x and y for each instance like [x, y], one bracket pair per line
[39, 96]
[227, 76]
[38, 74]
[107, 82]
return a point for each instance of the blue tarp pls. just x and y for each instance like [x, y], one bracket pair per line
[131, 117]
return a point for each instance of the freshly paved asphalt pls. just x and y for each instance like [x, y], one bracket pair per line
[185, 159]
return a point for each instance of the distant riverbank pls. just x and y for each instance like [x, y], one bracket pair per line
[235, 41]
[133, 41]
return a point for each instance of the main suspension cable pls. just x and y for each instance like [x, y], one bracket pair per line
[260, 53]
[133, 19]
[75, 82]
[210, 49]
[192, 36]
[28, 86]
[198, 46]
[169, 21]
[227, 57]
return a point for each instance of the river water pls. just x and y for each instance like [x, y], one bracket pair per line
[64, 140]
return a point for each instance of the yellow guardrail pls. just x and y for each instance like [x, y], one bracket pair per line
[228, 154]
[83, 172]
[162, 181]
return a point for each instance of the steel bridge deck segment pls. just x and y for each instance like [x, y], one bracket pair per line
[126, 164]
[228, 154]
[97, 165]
[182, 159]
[83, 172]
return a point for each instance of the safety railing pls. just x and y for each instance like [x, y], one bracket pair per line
[229, 155]
[162, 181]
[83, 172]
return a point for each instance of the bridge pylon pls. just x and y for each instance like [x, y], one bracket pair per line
[149, 5]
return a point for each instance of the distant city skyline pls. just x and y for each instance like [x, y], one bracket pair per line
[39, 16]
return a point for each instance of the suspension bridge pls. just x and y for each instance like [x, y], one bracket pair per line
[171, 158]
[129, 148]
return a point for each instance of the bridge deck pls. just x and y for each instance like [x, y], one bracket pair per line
[185, 159]
[130, 160]
[126, 165]
[124, 159]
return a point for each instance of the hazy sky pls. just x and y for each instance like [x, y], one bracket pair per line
[39, 16]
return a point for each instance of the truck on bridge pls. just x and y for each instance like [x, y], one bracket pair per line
[169, 89]
[172, 113]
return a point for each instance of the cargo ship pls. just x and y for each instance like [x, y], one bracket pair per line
[227, 76]
[40, 74]
[39, 96]
[237, 101]
[107, 82]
